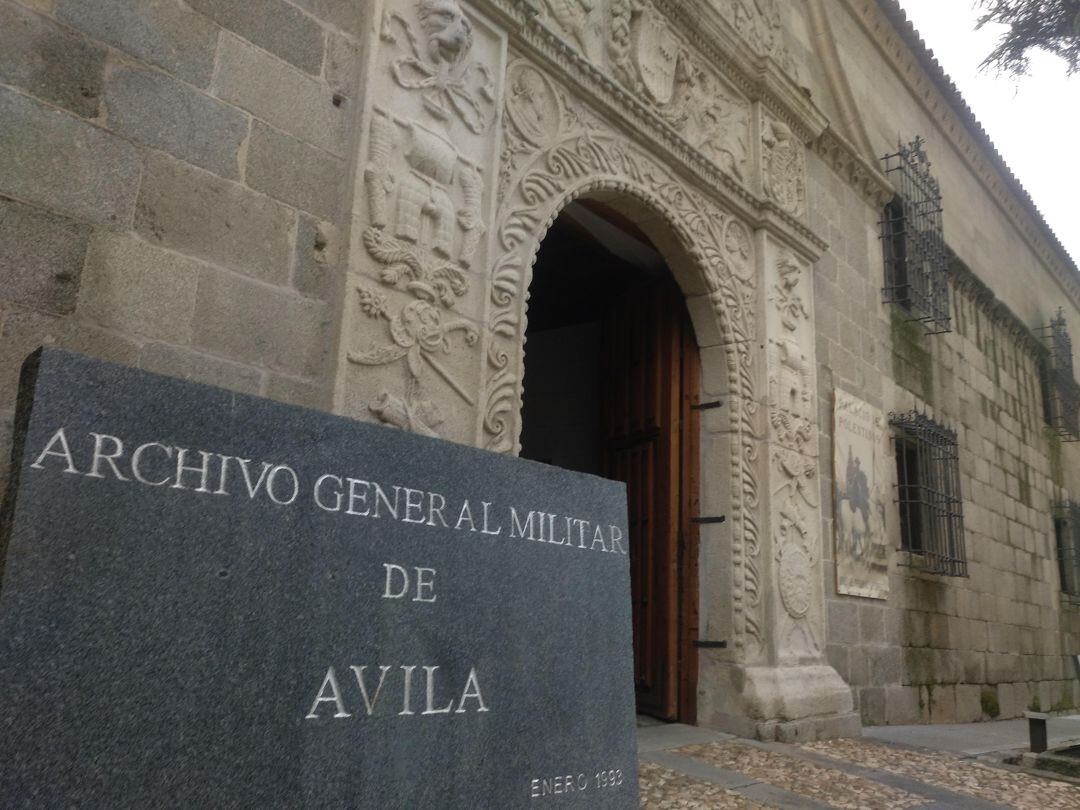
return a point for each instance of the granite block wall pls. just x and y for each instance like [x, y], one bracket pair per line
[173, 186]
[947, 649]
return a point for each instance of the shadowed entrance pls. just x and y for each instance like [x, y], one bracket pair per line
[611, 373]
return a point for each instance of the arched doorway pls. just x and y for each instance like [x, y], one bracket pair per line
[611, 380]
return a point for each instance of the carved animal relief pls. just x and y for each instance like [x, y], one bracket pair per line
[437, 65]
[649, 57]
[785, 293]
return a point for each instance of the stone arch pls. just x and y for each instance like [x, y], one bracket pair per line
[568, 156]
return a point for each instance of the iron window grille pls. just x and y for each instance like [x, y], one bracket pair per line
[1067, 538]
[928, 494]
[916, 259]
[1061, 394]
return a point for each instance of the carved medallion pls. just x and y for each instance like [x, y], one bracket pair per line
[532, 104]
[795, 572]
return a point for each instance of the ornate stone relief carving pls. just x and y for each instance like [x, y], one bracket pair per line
[785, 295]
[867, 179]
[795, 516]
[797, 546]
[557, 151]
[790, 385]
[579, 21]
[439, 67]
[424, 208]
[650, 58]
[760, 24]
[784, 166]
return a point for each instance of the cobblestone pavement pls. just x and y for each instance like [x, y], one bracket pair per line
[848, 774]
[663, 788]
[1005, 787]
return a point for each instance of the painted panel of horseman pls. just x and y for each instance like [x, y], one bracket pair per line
[861, 485]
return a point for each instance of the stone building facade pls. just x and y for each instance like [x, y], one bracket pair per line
[339, 204]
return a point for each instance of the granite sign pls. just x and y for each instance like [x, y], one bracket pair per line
[211, 599]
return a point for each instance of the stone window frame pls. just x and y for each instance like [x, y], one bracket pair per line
[928, 495]
[1061, 394]
[1067, 546]
[913, 241]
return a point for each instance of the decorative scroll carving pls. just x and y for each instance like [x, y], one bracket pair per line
[439, 67]
[577, 155]
[418, 334]
[784, 166]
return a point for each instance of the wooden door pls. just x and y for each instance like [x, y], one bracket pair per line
[651, 372]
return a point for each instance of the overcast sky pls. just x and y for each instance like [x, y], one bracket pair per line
[1034, 121]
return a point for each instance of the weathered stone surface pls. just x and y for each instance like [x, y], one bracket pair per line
[41, 257]
[162, 32]
[53, 159]
[137, 288]
[150, 107]
[348, 15]
[296, 391]
[274, 25]
[843, 619]
[48, 61]
[293, 171]
[315, 266]
[231, 621]
[204, 216]
[284, 97]
[186, 364]
[44, 6]
[343, 65]
[261, 325]
[21, 331]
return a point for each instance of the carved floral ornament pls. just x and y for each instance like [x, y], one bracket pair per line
[556, 151]
[424, 209]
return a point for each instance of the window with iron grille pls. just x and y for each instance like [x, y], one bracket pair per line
[1061, 394]
[1067, 537]
[928, 494]
[916, 260]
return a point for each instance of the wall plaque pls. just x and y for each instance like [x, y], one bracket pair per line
[215, 600]
[862, 496]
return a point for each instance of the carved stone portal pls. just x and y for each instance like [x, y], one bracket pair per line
[454, 196]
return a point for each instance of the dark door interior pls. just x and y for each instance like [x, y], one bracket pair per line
[607, 322]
